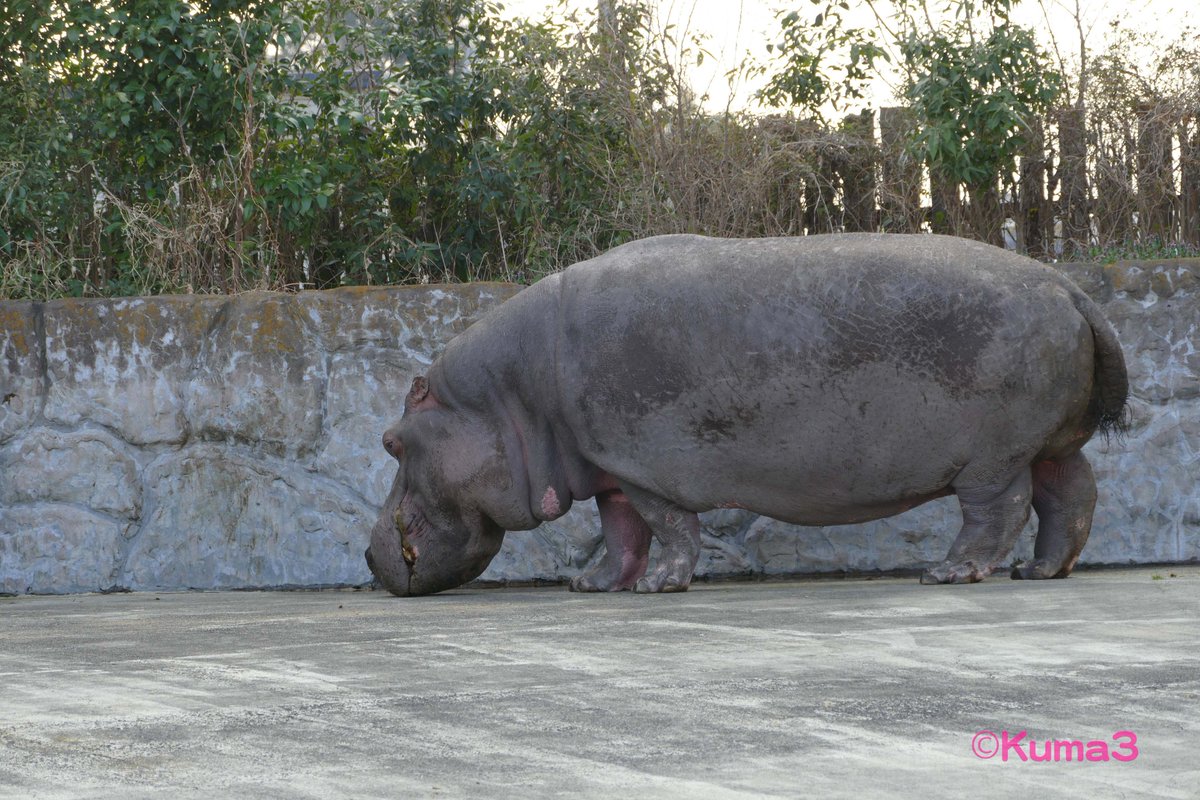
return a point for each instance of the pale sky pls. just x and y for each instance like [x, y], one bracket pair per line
[734, 28]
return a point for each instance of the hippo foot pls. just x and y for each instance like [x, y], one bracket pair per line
[966, 572]
[595, 582]
[649, 586]
[663, 580]
[1037, 570]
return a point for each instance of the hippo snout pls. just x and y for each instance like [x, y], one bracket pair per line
[395, 581]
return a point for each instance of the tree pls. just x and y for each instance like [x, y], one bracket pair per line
[975, 82]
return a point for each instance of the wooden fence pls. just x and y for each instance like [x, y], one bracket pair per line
[1081, 181]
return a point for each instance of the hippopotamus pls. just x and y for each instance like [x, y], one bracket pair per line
[819, 380]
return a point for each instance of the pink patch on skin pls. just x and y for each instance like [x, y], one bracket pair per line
[550, 505]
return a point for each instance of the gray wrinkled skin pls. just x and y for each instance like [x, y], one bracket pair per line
[819, 380]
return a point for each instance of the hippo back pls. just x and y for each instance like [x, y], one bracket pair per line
[803, 376]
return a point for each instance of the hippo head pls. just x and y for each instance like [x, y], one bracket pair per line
[450, 504]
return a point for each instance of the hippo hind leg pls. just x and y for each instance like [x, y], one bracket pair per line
[626, 547]
[678, 531]
[1064, 497]
[993, 516]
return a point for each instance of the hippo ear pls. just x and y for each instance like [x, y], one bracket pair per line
[420, 397]
[419, 390]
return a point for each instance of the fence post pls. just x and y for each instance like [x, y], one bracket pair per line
[946, 206]
[1189, 163]
[900, 191]
[1113, 171]
[820, 184]
[1031, 215]
[857, 170]
[818, 214]
[1155, 173]
[1073, 197]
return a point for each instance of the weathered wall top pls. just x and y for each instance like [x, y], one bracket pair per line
[229, 442]
[1136, 279]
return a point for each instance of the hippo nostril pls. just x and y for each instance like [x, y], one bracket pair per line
[392, 444]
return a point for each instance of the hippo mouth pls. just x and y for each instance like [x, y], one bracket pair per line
[410, 524]
[411, 556]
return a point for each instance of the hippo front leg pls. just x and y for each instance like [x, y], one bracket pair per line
[626, 547]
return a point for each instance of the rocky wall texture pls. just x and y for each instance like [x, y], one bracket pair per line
[205, 443]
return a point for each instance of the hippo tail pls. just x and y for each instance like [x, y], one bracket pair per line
[1110, 392]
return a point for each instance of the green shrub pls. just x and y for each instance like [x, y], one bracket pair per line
[151, 146]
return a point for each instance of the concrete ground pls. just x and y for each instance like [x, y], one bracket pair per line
[823, 688]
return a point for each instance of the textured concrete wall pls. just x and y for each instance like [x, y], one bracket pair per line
[203, 442]
[199, 442]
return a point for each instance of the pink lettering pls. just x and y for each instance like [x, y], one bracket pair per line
[1008, 744]
[1129, 744]
[1047, 750]
[1063, 749]
[1097, 750]
[1019, 747]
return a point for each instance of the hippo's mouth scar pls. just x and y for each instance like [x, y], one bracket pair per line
[416, 522]
[406, 549]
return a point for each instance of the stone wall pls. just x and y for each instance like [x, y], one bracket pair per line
[205, 442]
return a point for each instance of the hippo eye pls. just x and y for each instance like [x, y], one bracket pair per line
[393, 445]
